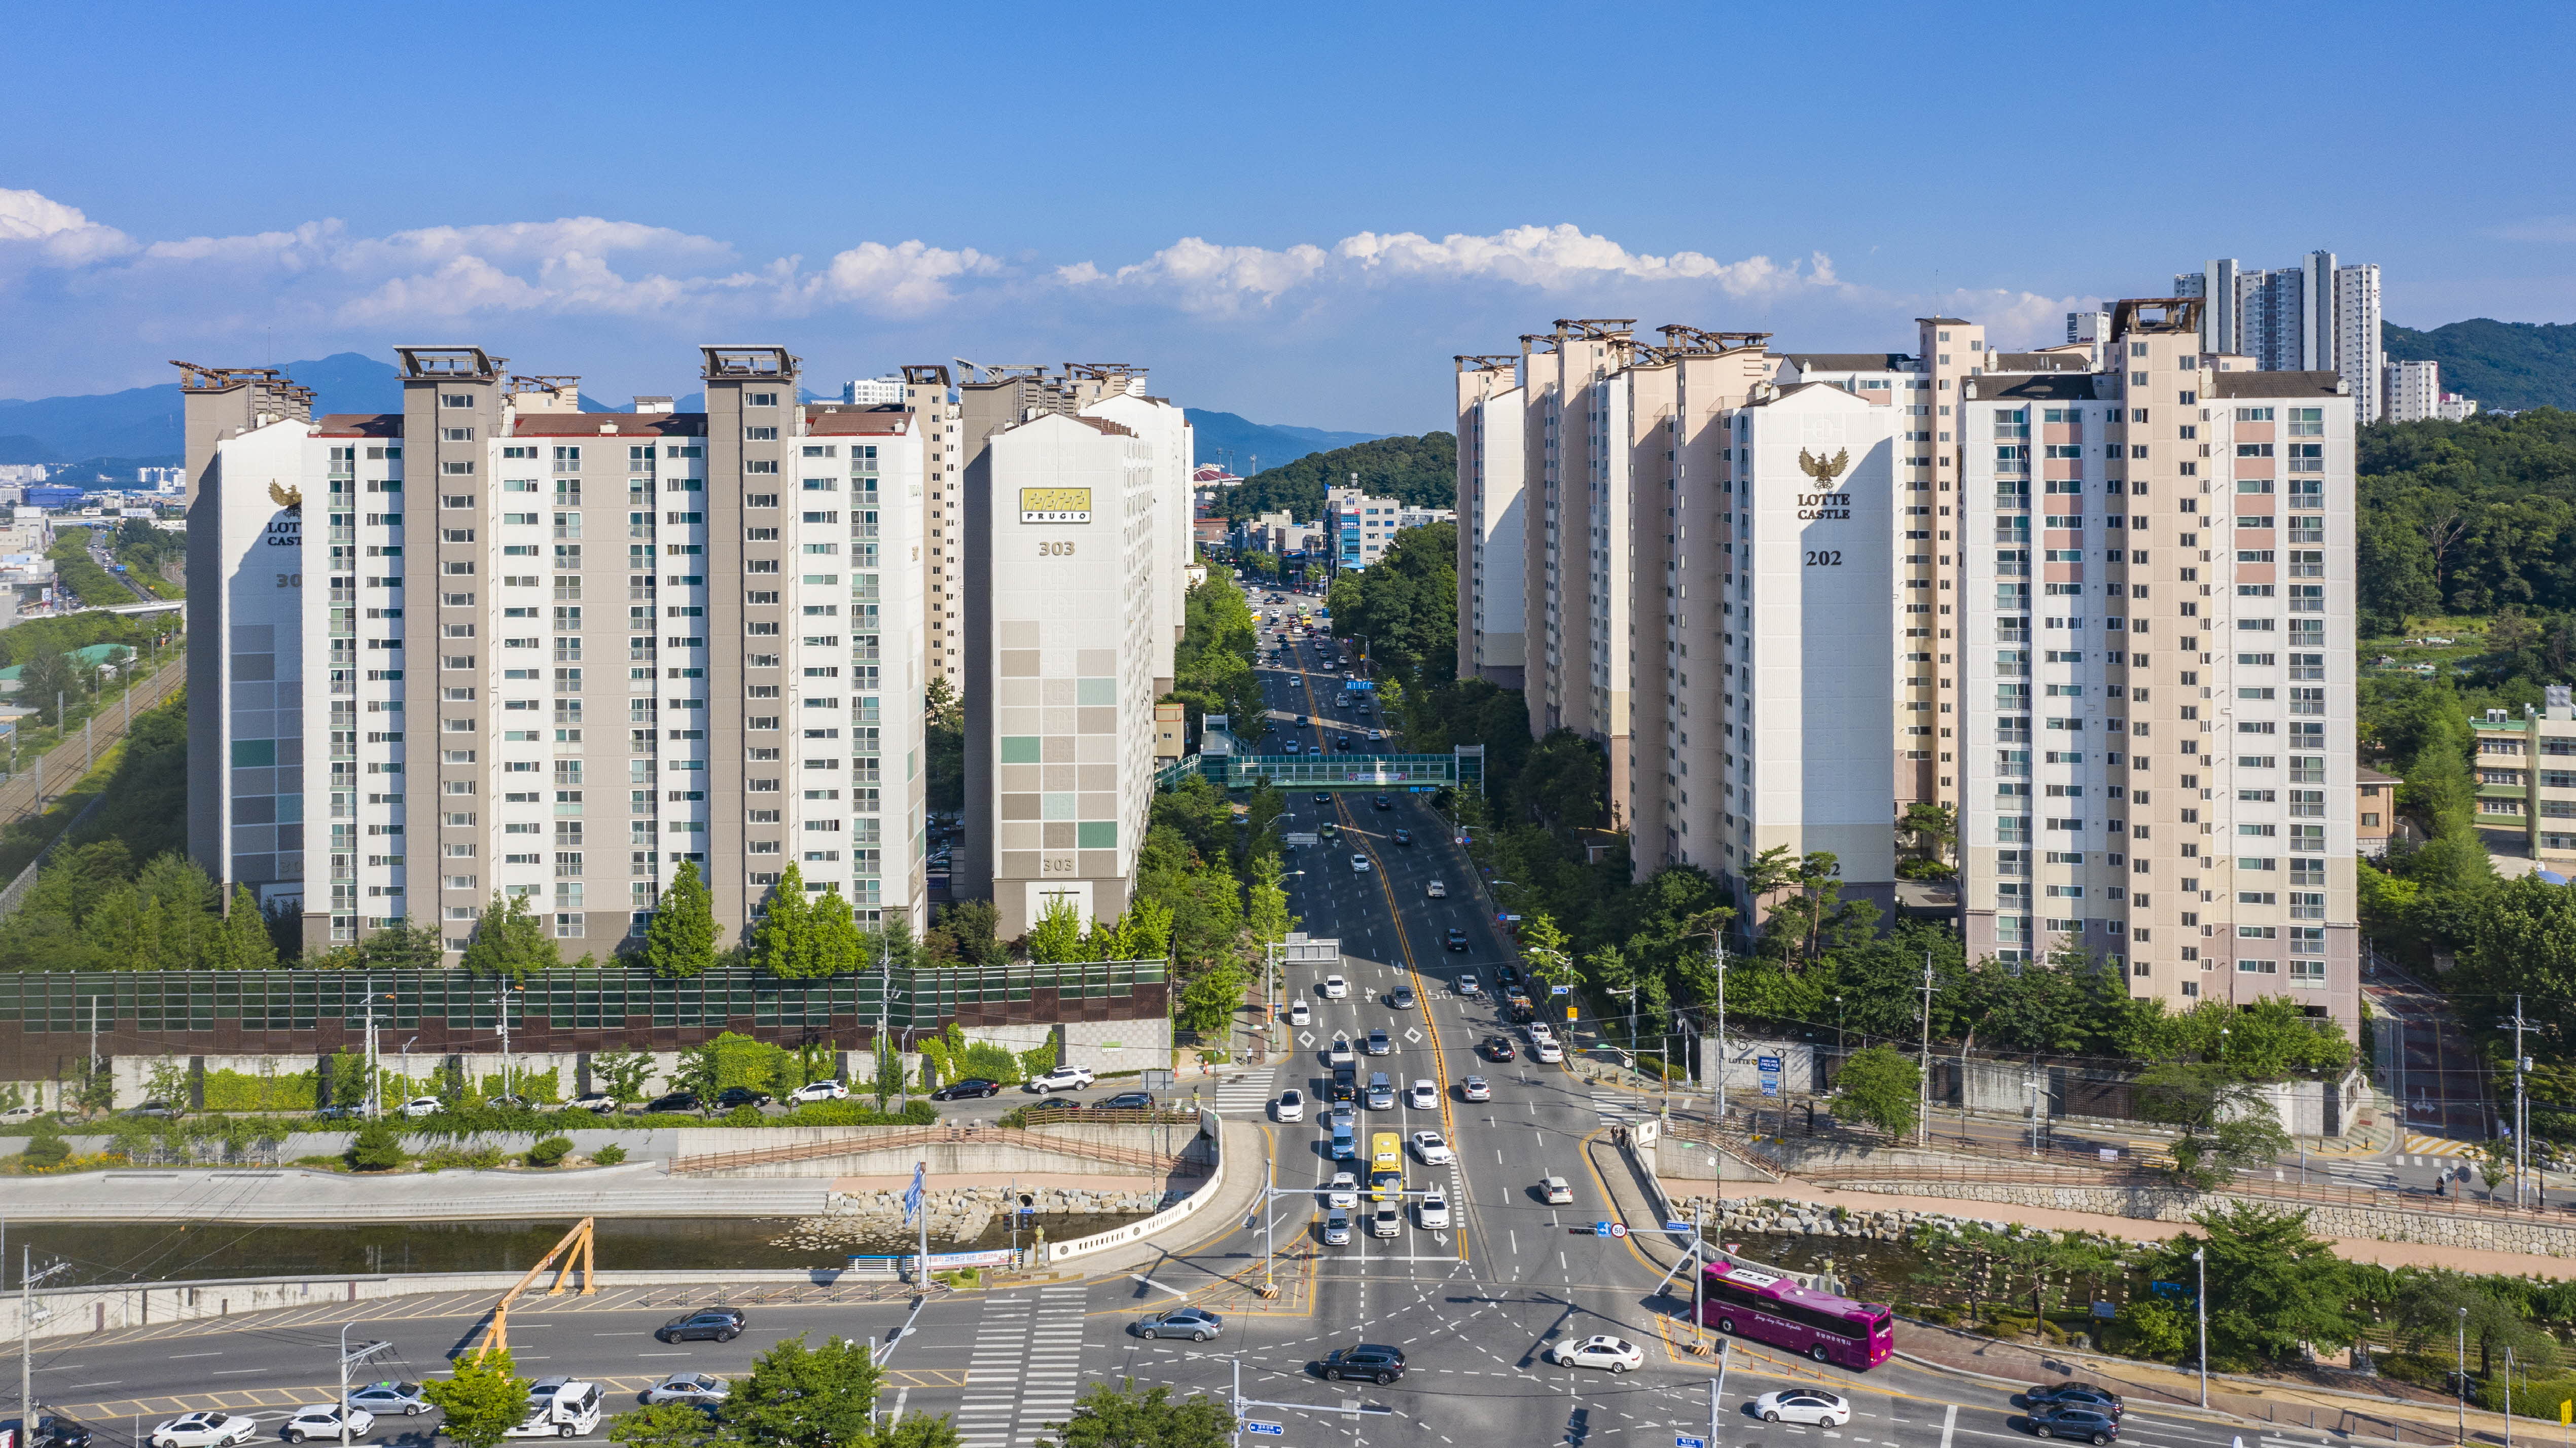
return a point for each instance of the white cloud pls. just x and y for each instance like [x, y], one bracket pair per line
[56, 233]
[1205, 276]
[2016, 319]
[910, 278]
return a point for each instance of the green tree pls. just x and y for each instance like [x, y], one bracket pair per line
[1121, 1417]
[783, 942]
[2225, 1122]
[1056, 938]
[2273, 1289]
[43, 680]
[680, 939]
[806, 1397]
[2429, 1307]
[509, 942]
[241, 942]
[1210, 999]
[482, 1400]
[1881, 1087]
[889, 1073]
[46, 1147]
[621, 1074]
[663, 1425]
[944, 728]
[1934, 829]
[1543, 950]
[834, 933]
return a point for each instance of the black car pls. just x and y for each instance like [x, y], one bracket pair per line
[52, 1431]
[1375, 1361]
[1344, 742]
[1456, 939]
[1126, 1101]
[676, 1101]
[1404, 837]
[1045, 1104]
[2090, 1424]
[720, 1324]
[1508, 976]
[1498, 1048]
[1322, 797]
[1384, 801]
[2073, 1395]
[1346, 1085]
[733, 1096]
[973, 1088]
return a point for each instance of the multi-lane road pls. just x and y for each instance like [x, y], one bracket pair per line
[1474, 1307]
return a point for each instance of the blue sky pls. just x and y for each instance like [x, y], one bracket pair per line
[1295, 213]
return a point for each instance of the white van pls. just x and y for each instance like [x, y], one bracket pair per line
[560, 1408]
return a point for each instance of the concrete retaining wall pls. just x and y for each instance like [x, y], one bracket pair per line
[1134, 1231]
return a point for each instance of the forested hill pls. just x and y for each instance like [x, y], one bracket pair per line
[2511, 365]
[2467, 518]
[1419, 470]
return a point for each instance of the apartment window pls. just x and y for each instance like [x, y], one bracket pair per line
[760, 399]
[2253, 450]
[2254, 414]
[2307, 422]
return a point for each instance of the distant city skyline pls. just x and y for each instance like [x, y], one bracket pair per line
[1338, 203]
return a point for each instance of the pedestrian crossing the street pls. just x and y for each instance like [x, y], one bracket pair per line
[1248, 1094]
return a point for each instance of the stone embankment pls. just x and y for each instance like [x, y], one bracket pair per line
[960, 1214]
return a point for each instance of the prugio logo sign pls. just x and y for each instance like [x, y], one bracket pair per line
[1055, 505]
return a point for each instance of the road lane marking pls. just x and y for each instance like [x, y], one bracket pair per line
[1949, 1424]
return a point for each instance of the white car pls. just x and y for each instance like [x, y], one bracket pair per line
[1359, 864]
[1339, 1053]
[1062, 1078]
[1344, 1190]
[1300, 1014]
[1433, 1148]
[1291, 1105]
[1425, 1096]
[700, 1388]
[1388, 1222]
[818, 1091]
[1336, 988]
[1600, 1350]
[17, 1114]
[420, 1106]
[1375, 735]
[1803, 1405]
[1549, 1050]
[1476, 1088]
[1433, 1210]
[322, 1420]
[1436, 890]
[203, 1430]
[1555, 1191]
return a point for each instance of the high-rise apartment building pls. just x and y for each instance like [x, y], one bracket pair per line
[2412, 392]
[1491, 505]
[1823, 563]
[1063, 652]
[2159, 696]
[643, 638]
[2315, 316]
[927, 391]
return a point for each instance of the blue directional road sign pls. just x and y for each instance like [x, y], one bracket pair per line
[1272, 1429]
[1601, 1229]
[1679, 1227]
[1682, 1440]
[1560, 990]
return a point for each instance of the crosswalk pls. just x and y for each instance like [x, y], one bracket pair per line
[1054, 1373]
[2418, 1144]
[992, 1396]
[1247, 1094]
[1618, 1108]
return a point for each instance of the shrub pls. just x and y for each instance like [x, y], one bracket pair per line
[549, 1150]
[609, 1155]
[744, 1115]
[46, 1149]
[377, 1147]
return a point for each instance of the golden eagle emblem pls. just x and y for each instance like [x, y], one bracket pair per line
[291, 499]
[1824, 470]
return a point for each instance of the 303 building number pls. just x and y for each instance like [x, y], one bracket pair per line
[1055, 550]
[1055, 865]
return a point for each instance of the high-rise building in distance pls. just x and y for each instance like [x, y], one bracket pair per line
[2316, 316]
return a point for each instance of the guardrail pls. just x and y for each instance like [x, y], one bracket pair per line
[1135, 1231]
[963, 1135]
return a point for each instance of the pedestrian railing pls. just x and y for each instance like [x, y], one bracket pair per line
[962, 1134]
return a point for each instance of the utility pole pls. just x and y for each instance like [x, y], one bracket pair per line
[504, 1011]
[2462, 1376]
[2200, 1304]
[1717, 948]
[1923, 1123]
[2521, 1064]
[28, 1277]
[93, 1046]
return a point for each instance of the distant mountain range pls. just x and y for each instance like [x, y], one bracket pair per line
[1238, 442]
[141, 425]
[2510, 365]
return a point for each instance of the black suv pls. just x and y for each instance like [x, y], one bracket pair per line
[1377, 1362]
[676, 1101]
[1126, 1101]
[2073, 1395]
[1508, 976]
[1346, 1083]
[1384, 802]
[723, 1324]
[2090, 1424]
[1457, 939]
[733, 1096]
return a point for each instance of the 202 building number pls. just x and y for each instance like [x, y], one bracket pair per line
[1824, 558]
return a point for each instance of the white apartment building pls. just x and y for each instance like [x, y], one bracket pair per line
[536, 652]
[1491, 508]
[1063, 653]
[2315, 316]
[2159, 692]
[2412, 392]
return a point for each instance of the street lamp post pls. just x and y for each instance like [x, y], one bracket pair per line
[2200, 1304]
